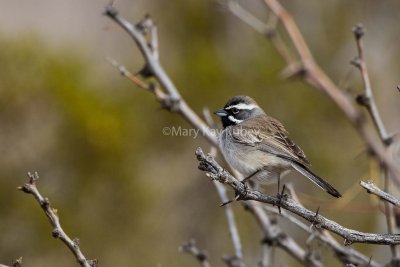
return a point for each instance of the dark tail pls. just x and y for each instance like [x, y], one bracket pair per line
[315, 178]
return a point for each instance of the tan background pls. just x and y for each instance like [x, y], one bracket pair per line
[129, 193]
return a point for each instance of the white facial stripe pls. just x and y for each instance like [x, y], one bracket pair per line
[231, 118]
[242, 106]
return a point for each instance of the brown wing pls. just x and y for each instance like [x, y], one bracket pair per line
[269, 135]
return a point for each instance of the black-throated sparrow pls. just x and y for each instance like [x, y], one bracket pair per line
[257, 145]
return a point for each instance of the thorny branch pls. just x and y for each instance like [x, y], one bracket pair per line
[311, 73]
[184, 110]
[344, 254]
[51, 213]
[288, 243]
[274, 236]
[215, 171]
[200, 255]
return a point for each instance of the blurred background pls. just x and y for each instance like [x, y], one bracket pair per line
[133, 195]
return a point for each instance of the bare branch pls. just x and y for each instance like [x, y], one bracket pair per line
[173, 101]
[344, 254]
[312, 74]
[274, 236]
[373, 189]
[179, 105]
[368, 101]
[151, 87]
[367, 98]
[185, 111]
[215, 171]
[51, 213]
[233, 231]
[268, 30]
[200, 255]
[315, 76]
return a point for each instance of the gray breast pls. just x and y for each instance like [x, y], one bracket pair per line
[248, 159]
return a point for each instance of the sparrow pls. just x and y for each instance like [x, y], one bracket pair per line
[258, 146]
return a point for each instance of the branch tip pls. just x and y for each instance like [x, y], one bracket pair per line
[358, 31]
[33, 177]
[110, 10]
[17, 262]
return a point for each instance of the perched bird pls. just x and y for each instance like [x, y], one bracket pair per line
[257, 145]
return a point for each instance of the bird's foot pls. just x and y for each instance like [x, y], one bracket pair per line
[280, 195]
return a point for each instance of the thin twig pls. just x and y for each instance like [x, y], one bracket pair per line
[373, 189]
[230, 217]
[312, 74]
[215, 171]
[173, 101]
[178, 104]
[367, 98]
[186, 112]
[233, 231]
[267, 30]
[153, 88]
[273, 235]
[51, 213]
[368, 101]
[200, 255]
[344, 254]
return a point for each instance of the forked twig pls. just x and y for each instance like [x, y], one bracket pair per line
[51, 213]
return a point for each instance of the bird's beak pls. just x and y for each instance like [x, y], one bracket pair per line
[221, 113]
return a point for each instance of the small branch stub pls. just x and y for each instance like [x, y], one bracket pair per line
[359, 31]
[191, 248]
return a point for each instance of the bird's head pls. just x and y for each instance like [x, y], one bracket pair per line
[237, 110]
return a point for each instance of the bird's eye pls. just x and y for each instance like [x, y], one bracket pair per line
[235, 110]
